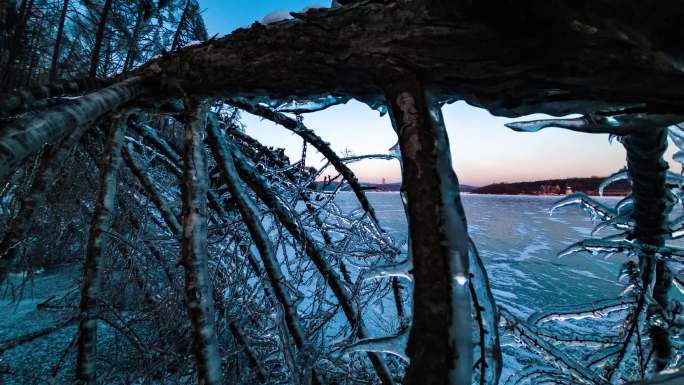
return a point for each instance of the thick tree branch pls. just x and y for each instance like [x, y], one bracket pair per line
[102, 220]
[194, 248]
[26, 135]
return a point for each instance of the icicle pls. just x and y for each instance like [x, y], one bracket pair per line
[618, 176]
[397, 270]
[620, 223]
[596, 209]
[537, 125]
[614, 122]
[677, 135]
[395, 345]
[678, 284]
[625, 205]
[596, 246]
[311, 105]
[678, 157]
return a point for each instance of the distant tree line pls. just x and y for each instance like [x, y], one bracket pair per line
[48, 40]
[586, 185]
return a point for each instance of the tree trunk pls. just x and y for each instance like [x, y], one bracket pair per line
[194, 249]
[102, 26]
[647, 169]
[102, 219]
[440, 344]
[58, 42]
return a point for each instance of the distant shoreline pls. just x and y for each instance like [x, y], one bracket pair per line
[547, 187]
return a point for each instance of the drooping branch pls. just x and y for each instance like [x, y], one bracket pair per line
[102, 219]
[250, 216]
[440, 343]
[194, 247]
[319, 144]
[262, 187]
[169, 217]
[27, 134]
[46, 175]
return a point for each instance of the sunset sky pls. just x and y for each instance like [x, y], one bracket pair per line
[482, 149]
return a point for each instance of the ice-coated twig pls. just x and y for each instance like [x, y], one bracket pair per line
[667, 377]
[318, 143]
[596, 246]
[176, 166]
[622, 222]
[252, 358]
[676, 133]
[262, 187]
[136, 169]
[594, 309]
[251, 216]
[530, 336]
[536, 374]
[401, 270]
[596, 209]
[625, 206]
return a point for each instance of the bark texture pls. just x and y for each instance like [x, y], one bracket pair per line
[27, 134]
[440, 343]
[510, 59]
[194, 249]
[647, 169]
[102, 220]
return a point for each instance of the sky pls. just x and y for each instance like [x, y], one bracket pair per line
[483, 150]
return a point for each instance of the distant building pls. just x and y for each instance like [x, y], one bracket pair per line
[568, 190]
[383, 181]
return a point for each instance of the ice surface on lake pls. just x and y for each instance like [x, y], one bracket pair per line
[518, 242]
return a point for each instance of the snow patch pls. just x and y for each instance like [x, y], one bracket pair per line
[276, 16]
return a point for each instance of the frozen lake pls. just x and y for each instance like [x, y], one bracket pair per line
[519, 242]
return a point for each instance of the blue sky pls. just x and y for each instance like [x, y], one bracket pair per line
[482, 149]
